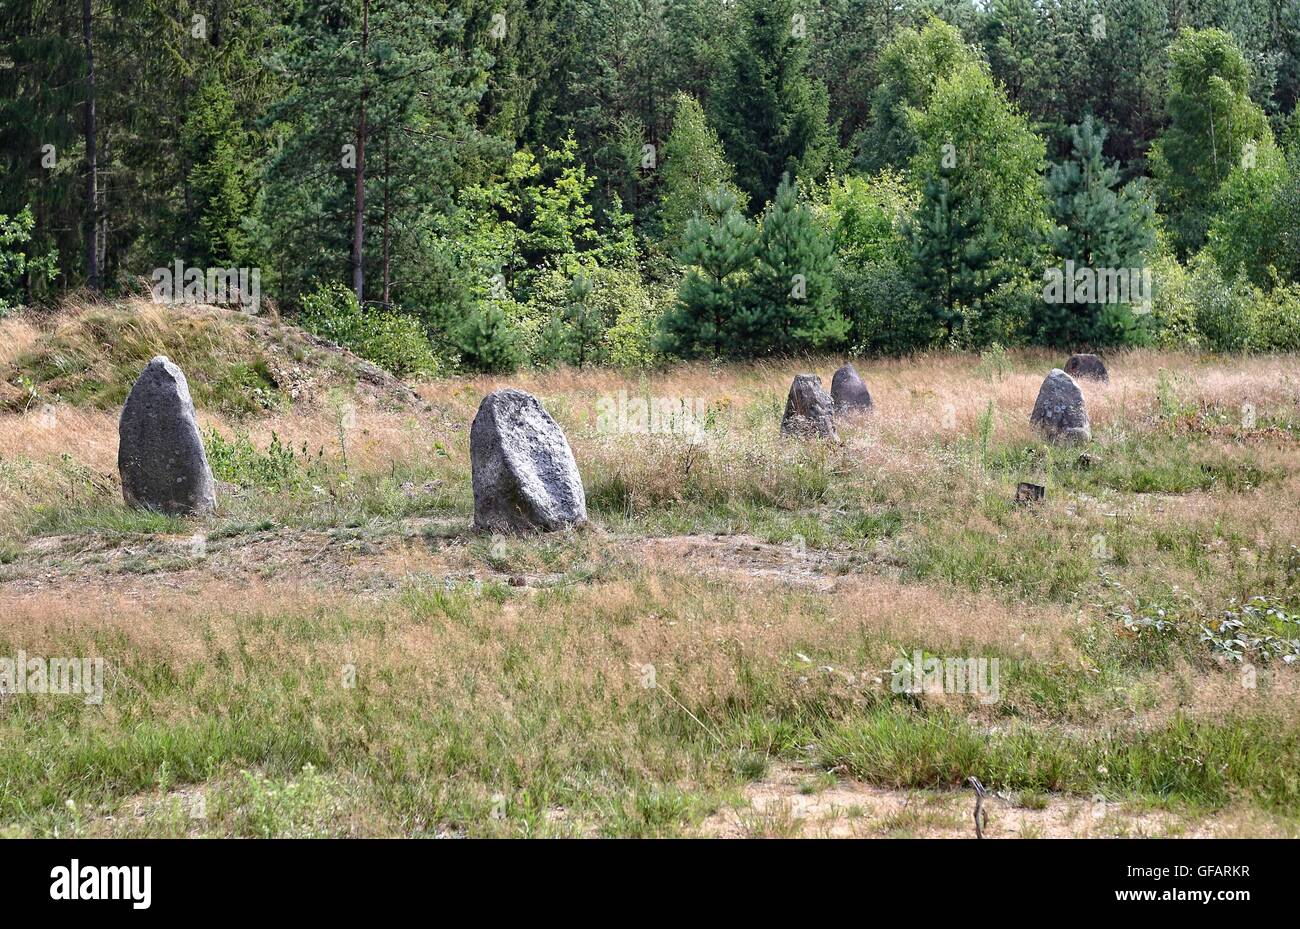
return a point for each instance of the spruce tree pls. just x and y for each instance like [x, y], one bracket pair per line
[1097, 225]
[218, 185]
[771, 115]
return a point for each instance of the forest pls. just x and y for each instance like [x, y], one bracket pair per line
[489, 186]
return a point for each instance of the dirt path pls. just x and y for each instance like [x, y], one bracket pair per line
[369, 562]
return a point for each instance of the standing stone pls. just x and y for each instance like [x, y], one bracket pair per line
[160, 451]
[848, 391]
[1089, 366]
[1059, 411]
[524, 474]
[809, 410]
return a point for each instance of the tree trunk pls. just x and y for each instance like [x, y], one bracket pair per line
[387, 275]
[359, 189]
[91, 223]
[359, 207]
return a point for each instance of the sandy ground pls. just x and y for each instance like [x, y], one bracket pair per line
[793, 803]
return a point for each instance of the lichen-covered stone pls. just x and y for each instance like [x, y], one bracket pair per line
[524, 474]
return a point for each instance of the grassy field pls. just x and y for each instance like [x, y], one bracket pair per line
[337, 653]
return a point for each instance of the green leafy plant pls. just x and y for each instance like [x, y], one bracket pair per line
[239, 461]
[389, 339]
[1258, 629]
[15, 263]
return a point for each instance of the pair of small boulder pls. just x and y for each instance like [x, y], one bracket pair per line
[1059, 412]
[810, 411]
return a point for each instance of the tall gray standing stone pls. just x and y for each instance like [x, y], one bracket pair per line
[160, 452]
[1089, 366]
[809, 410]
[524, 474]
[1059, 411]
[848, 391]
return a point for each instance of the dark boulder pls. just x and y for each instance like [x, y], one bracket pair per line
[160, 453]
[1089, 366]
[848, 391]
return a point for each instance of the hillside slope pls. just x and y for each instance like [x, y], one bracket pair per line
[237, 364]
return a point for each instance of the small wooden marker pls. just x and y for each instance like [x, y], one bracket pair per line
[1030, 493]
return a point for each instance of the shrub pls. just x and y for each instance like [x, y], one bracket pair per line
[239, 461]
[635, 309]
[15, 263]
[1277, 320]
[616, 323]
[883, 308]
[1003, 318]
[1252, 232]
[389, 339]
[1223, 307]
[1173, 311]
[874, 291]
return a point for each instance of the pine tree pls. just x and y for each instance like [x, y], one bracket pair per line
[1097, 225]
[771, 115]
[792, 302]
[218, 183]
[376, 124]
[486, 341]
[582, 319]
[719, 252]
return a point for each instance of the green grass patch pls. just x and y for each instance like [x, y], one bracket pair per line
[1206, 763]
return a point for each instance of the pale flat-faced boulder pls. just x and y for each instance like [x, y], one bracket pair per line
[1059, 411]
[524, 475]
[1089, 366]
[809, 410]
[160, 452]
[848, 391]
